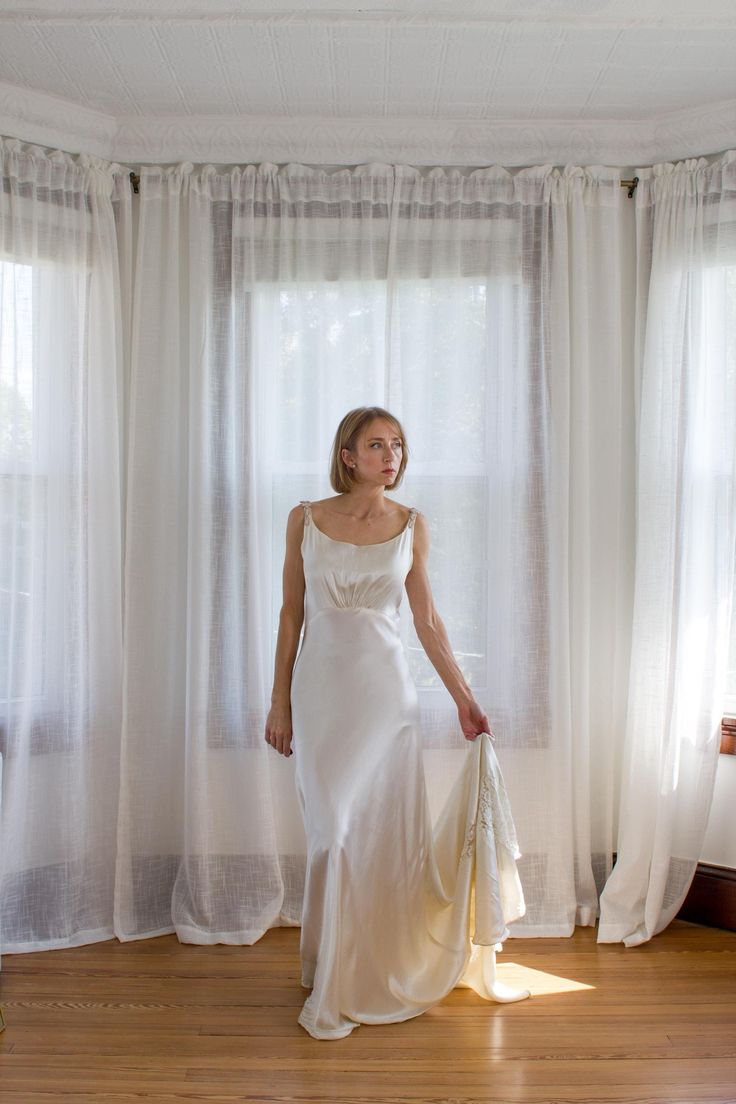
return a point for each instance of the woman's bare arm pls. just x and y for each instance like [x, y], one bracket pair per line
[278, 724]
[433, 635]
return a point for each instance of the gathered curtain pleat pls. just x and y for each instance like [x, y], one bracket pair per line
[156, 436]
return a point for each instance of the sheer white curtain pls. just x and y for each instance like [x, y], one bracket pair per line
[493, 313]
[686, 538]
[60, 544]
[488, 312]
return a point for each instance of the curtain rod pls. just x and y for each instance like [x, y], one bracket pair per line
[630, 184]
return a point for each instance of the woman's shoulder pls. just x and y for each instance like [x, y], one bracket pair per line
[295, 518]
[408, 509]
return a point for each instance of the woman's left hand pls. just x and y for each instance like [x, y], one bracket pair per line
[473, 720]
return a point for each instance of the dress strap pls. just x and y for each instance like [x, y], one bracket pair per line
[307, 511]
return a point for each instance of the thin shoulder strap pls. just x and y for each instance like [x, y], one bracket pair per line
[307, 511]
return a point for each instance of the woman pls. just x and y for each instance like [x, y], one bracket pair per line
[387, 904]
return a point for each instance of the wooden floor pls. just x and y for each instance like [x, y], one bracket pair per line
[158, 1021]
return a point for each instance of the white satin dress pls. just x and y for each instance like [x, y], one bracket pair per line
[395, 913]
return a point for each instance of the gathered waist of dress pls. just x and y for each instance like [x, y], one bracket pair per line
[342, 625]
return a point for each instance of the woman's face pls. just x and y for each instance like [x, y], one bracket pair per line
[378, 454]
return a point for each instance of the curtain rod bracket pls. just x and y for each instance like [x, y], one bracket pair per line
[631, 185]
[135, 181]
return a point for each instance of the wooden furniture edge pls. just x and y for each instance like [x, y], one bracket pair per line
[711, 900]
[728, 736]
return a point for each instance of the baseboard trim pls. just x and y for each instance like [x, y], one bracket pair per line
[712, 898]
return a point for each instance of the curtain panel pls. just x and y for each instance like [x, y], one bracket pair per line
[61, 460]
[686, 538]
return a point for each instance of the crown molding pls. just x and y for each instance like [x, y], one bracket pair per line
[50, 121]
[621, 14]
[226, 139]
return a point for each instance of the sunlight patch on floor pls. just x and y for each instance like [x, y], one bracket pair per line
[537, 982]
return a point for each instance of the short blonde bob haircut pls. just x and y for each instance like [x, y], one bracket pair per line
[348, 435]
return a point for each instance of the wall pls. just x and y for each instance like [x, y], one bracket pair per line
[719, 846]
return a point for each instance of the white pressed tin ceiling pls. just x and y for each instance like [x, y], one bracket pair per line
[473, 83]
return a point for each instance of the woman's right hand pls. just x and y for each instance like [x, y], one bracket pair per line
[278, 729]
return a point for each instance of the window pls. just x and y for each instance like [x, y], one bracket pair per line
[321, 349]
[454, 341]
[44, 480]
[20, 486]
[728, 727]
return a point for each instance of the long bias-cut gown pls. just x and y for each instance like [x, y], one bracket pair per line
[396, 912]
